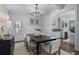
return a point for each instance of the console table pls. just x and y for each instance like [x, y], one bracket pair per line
[7, 45]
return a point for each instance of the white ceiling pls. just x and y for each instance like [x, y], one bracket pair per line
[27, 8]
[69, 15]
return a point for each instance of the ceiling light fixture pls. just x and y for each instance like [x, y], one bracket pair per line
[36, 11]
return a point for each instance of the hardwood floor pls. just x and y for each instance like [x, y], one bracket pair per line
[20, 49]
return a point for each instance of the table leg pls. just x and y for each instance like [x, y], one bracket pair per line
[37, 52]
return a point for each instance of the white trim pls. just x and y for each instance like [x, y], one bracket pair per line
[77, 28]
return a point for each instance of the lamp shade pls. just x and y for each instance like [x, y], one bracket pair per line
[3, 17]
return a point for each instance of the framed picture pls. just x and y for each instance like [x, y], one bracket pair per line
[34, 21]
[37, 22]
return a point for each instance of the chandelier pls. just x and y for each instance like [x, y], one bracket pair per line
[36, 11]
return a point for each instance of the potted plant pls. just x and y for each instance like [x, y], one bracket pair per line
[72, 29]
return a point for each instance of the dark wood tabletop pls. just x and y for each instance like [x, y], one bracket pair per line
[42, 39]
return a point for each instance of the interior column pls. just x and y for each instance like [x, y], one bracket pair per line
[77, 28]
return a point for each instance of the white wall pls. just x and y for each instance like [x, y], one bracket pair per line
[48, 22]
[26, 26]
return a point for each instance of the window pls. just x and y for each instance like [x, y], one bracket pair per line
[18, 26]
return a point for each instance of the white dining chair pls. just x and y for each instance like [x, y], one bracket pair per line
[31, 46]
[53, 47]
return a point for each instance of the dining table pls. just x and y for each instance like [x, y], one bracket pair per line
[41, 39]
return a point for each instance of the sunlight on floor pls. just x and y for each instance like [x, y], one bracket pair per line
[20, 49]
